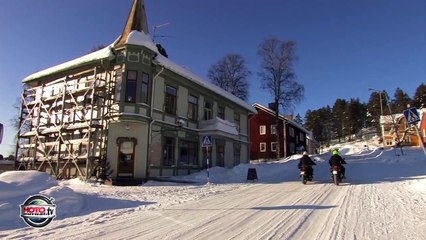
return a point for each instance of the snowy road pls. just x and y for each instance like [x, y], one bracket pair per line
[379, 200]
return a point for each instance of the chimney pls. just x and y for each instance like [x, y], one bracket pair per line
[289, 117]
[272, 106]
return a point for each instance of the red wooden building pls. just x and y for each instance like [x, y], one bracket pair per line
[422, 127]
[263, 137]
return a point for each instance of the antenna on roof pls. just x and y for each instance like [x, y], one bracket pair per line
[155, 28]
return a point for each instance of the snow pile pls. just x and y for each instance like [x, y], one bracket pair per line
[17, 183]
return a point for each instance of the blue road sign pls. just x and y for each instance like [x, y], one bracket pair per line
[206, 141]
[411, 115]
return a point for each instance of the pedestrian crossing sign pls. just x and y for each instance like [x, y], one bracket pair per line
[206, 141]
[411, 115]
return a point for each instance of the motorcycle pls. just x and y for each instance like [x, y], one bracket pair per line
[336, 174]
[304, 174]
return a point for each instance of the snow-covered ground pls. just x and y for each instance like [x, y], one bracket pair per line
[383, 197]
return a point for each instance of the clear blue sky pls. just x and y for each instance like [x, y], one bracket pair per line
[344, 47]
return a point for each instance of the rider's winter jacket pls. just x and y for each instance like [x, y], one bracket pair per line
[336, 159]
[306, 161]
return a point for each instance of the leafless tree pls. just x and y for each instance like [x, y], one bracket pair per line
[278, 76]
[230, 73]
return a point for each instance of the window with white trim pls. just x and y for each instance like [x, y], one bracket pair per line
[262, 147]
[273, 129]
[262, 129]
[273, 146]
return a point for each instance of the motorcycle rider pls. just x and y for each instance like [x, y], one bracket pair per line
[336, 159]
[307, 162]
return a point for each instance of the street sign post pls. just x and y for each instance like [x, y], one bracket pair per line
[411, 115]
[206, 142]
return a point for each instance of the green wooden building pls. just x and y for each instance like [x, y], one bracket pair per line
[132, 107]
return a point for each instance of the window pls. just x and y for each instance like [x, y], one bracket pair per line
[301, 137]
[407, 140]
[273, 146]
[220, 154]
[193, 108]
[291, 131]
[237, 121]
[221, 112]
[188, 152]
[263, 147]
[237, 154]
[131, 86]
[144, 88]
[168, 151]
[273, 129]
[262, 129]
[170, 101]
[118, 79]
[208, 111]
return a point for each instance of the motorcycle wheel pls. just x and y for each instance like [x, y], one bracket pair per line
[303, 178]
[335, 179]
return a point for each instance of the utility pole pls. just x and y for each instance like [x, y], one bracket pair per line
[381, 113]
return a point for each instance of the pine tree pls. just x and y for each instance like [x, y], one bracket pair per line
[419, 98]
[338, 110]
[298, 119]
[400, 102]
[356, 115]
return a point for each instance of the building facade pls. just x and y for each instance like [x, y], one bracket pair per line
[396, 130]
[263, 135]
[132, 107]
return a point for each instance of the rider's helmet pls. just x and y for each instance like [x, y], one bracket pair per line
[305, 153]
[335, 152]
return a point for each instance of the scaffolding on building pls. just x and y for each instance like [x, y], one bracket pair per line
[63, 123]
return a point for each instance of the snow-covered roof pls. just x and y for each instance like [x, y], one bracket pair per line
[272, 112]
[170, 65]
[142, 39]
[104, 53]
[388, 119]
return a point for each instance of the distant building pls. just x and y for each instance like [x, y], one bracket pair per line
[131, 106]
[395, 129]
[263, 140]
[422, 124]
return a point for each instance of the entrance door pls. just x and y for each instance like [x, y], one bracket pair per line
[126, 157]
[220, 154]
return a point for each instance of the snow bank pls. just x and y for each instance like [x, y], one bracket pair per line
[22, 183]
[17, 186]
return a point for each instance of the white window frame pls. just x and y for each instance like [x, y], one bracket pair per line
[262, 129]
[262, 147]
[273, 129]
